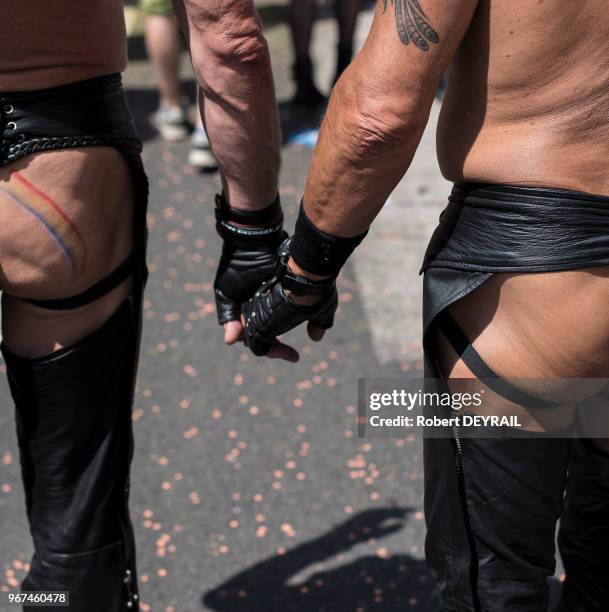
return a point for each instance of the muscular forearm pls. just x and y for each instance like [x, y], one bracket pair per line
[374, 123]
[379, 109]
[232, 65]
[366, 143]
[240, 115]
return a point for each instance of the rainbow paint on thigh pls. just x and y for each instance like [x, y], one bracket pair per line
[61, 229]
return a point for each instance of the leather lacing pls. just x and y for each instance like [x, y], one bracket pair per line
[10, 152]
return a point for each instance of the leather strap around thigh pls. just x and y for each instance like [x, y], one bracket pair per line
[97, 291]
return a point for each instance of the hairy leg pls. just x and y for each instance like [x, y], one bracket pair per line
[164, 45]
[346, 15]
[302, 16]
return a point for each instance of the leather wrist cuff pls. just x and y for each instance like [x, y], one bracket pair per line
[245, 227]
[318, 252]
[301, 285]
[296, 284]
[264, 216]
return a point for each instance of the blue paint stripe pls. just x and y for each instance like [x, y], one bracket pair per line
[44, 222]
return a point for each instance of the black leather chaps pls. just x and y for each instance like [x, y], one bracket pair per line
[492, 504]
[73, 407]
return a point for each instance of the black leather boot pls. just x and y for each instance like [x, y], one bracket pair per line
[73, 411]
[584, 531]
[491, 508]
[307, 93]
[344, 55]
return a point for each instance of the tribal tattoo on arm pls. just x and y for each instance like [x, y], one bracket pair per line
[412, 23]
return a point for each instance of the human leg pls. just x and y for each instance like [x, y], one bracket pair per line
[492, 504]
[165, 46]
[547, 321]
[346, 16]
[302, 17]
[201, 155]
[67, 223]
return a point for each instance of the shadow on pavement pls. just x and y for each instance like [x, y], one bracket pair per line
[375, 582]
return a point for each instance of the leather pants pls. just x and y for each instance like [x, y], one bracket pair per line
[73, 407]
[492, 504]
[491, 507]
[584, 531]
[73, 413]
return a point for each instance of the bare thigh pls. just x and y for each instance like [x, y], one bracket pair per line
[66, 222]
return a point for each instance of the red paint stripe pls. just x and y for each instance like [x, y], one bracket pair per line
[56, 206]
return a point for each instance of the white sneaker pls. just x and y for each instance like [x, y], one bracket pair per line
[172, 124]
[201, 156]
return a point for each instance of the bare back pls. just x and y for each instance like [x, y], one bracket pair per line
[528, 96]
[528, 103]
[45, 43]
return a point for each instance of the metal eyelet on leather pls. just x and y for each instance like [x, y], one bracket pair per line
[130, 593]
[8, 109]
[11, 125]
[20, 138]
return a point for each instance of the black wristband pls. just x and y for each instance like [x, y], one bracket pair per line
[242, 228]
[296, 284]
[270, 214]
[318, 252]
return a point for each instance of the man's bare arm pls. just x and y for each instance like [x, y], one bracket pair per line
[232, 65]
[378, 111]
[231, 62]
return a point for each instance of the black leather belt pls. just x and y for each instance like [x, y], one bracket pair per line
[87, 113]
[500, 228]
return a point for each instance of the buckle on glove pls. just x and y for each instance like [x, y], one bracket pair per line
[295, 283]
[271, 313]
